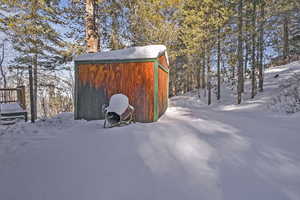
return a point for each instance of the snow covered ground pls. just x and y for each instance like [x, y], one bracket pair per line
[223, 151]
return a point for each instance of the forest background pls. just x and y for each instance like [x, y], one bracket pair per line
[210, 43]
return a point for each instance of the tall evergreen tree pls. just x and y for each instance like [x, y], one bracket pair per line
[31, 29]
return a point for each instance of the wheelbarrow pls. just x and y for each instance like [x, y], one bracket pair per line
[119, 112]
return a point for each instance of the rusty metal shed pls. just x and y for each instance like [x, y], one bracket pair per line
[141, 73]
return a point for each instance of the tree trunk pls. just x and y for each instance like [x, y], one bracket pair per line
[91, 35]
[247, 45]
[219, 64]
[35, 81]
[261, 47]
[233, 72]
[285, 36]
[208, 80]
[1, 67]
[240, 52]
[203, 85]
[199, 70]
[253, 91]
[31, 94]
[246, 58]
[35, 63]
[115, 42]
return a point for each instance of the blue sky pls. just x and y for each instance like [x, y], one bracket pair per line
[64, 3]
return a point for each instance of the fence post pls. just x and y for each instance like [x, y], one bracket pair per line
[31, 95]
[21, 96]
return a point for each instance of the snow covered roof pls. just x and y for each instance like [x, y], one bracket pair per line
[132, 53]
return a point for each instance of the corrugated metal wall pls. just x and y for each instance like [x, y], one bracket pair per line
[96, 83]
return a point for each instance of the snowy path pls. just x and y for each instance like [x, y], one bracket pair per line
[194, 152]
[196, 155]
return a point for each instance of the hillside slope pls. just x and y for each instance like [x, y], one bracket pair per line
[224, 151]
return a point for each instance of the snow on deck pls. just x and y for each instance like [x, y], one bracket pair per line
[10, 108]
[133, 53]
[222, 152]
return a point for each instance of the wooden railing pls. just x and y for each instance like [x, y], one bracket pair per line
[13, 95]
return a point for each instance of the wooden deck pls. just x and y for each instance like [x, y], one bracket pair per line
[12, 104]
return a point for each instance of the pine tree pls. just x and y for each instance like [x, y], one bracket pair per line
[201, 32]
[31, 31]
